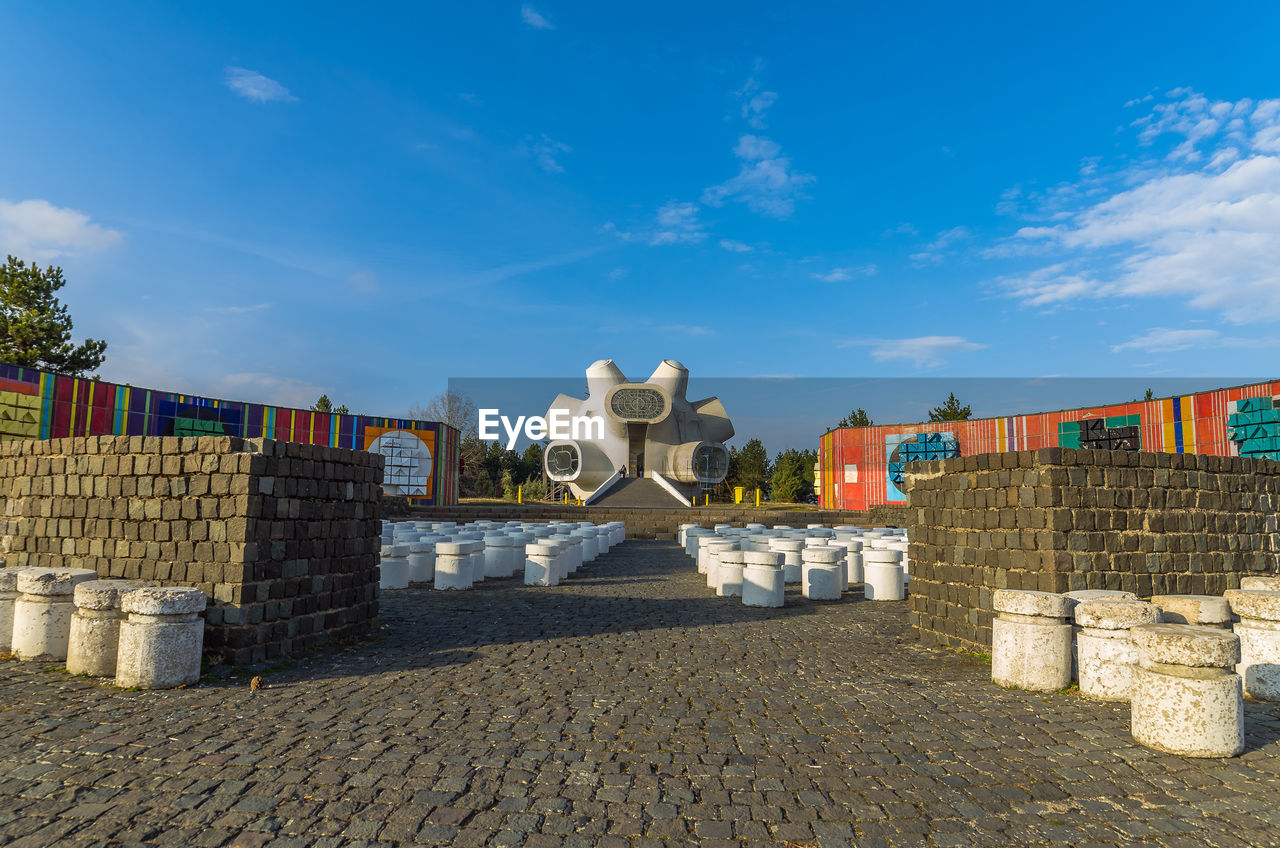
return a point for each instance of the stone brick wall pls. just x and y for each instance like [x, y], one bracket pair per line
[1058, 519]
[282, 537]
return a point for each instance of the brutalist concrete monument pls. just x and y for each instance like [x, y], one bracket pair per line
[651, 432]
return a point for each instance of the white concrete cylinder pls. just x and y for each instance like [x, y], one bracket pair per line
[881, 581]
[821, 573]
[43, 609]
[393, 570]
[8, 594]
[1258, 583]
[1186, 698]
[453, 566]
[729, 574]
[1107, 656]
[160, 638]
[95, 626]
[422, 562]
[792, 558]
[497, 557]
[712, 553]
[515, 553]
[539, 564]
[1030, 640]
[1259, 632]
[1205, 610]
[762, 580]
[854, 566]
[590, 548]
[691, 540]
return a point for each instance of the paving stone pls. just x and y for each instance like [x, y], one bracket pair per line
[627, 706]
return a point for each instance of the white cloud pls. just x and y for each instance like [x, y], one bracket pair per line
[934, 252]
[545, 151]
[534, 18]
[755, 101]
[765, 182]
[1165, 340]
[922, 351]
[38, 231]
[734, 246]
[240, 310]
[677, 224]
[839, 275]
[1200, 223]
[252, 85]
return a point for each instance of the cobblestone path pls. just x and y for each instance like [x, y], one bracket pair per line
[629, 707]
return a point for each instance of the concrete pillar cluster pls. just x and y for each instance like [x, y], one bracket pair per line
[449, 556]
[143, 636]
[823, 563]
[1183, 662]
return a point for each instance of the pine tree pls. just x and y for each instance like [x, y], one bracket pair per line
[857, 418]
[323, 404]
[950, 411]
[35, 328]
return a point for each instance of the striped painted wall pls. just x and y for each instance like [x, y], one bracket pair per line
[853, 462]
[35, 404]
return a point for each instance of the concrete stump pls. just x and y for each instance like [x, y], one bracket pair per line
[393, 570]
[95, 626]
[762, 580]
[729, 574]
[43, 609]
[161, 638]
[854, 566]
[539, 564]
[1186, 698]
[497, 555]
[1205, 610]
[453, 566]
[1107, 656]
[1259, 633]
[712, 552]
[821, 573]
[8, 594]
[882, 575]
[792, 558]
[1030, 640]
[1260, 584]
[422, 562]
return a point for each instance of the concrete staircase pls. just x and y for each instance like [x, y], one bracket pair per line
[637, 493]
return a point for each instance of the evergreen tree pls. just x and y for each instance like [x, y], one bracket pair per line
[508, 486]
[950, 411]
[856, 418]
[35, 328]
[323, 404]
[792, 478]
[530, 467]
[749, 467]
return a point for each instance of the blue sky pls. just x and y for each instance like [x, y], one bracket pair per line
[267, 202]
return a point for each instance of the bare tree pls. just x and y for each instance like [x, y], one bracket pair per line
[452, 408]
[459, 412]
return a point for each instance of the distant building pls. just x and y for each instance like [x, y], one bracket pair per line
[859, 467]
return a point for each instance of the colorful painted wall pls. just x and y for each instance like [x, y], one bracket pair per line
[862, 466]
[421, 456]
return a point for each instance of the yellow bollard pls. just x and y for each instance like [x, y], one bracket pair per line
[757, 498]
[520, 494]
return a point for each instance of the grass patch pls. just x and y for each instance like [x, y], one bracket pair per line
[976, 656]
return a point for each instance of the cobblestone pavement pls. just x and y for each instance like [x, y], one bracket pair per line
[627, 707]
